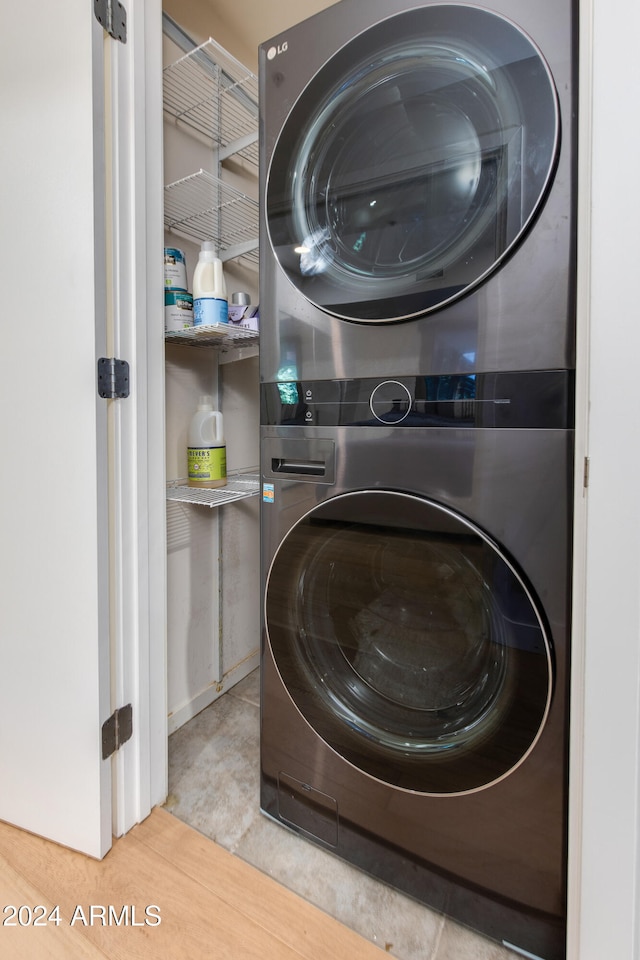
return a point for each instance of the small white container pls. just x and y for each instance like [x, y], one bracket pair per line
[210, 304]
[242, 313]
[238, 307]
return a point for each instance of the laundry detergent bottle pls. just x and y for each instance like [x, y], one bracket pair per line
[210, 303]
[206, 452]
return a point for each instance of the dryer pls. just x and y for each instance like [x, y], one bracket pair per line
[417, 375]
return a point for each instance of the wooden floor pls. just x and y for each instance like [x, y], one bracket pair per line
[210, 904]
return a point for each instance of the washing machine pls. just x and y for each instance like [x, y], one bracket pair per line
[417, 382]
[418, 180]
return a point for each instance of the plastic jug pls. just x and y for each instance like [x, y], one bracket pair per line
[210, 303]
[206, 452]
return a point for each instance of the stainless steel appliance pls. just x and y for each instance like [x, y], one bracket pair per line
[417, 291]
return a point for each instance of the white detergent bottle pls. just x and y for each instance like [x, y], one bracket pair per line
[206, 452]
[210, 303]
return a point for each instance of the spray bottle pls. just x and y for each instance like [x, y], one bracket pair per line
[206, 452]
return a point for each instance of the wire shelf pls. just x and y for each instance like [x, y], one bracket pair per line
[225, 336]
[213, 94]
[202, 207]
[239, 486]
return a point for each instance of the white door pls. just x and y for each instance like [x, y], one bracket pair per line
[70, 575]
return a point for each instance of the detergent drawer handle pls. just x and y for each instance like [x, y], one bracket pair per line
[298, 458]
[311, 468]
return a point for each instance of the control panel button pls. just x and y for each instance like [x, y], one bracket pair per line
[390, 402]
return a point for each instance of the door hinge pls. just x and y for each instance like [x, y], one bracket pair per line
[117, 730]
[113, 378]
[112, 16]
[585, 476]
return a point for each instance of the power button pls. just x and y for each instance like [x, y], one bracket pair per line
[390, 402]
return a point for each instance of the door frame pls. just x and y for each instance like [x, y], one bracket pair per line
[137, 426]
[604, 854]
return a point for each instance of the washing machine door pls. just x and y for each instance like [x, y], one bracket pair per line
[409, 642]
[412, 163]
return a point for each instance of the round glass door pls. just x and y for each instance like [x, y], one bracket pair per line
[412, 163]
[408, 642]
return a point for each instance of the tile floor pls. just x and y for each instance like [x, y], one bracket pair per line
[214, 787]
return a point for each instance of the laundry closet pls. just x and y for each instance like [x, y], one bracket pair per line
[210, 168]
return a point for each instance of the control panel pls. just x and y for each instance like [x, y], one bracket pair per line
[519, 400]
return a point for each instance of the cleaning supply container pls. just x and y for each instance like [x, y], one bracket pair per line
[210, 303]
[206, 451]
[175, 269]
[178, 310]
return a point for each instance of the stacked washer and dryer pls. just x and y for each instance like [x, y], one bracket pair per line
[417, 314]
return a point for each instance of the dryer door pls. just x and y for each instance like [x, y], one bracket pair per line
[412, 163]
[409, 642]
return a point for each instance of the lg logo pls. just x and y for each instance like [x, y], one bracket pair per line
[274, 52]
